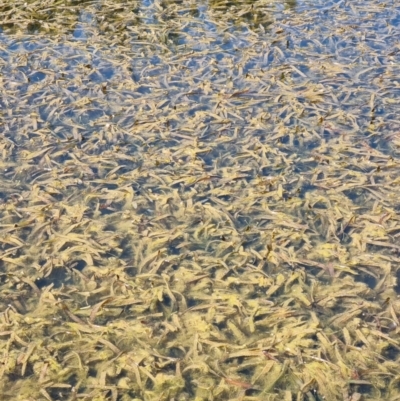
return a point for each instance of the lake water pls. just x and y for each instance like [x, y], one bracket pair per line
[199, 200]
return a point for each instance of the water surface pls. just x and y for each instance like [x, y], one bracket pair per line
[199, 200]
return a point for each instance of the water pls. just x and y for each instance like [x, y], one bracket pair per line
[199, 200]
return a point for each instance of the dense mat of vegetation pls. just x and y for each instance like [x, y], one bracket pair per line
[199, 200]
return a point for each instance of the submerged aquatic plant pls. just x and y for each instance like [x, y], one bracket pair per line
[198, 200]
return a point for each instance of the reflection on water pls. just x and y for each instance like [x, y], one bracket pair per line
[199, 200]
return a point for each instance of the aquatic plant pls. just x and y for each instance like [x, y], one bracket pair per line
[199, 200]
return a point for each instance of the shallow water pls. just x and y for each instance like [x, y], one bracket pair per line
[199, 200]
